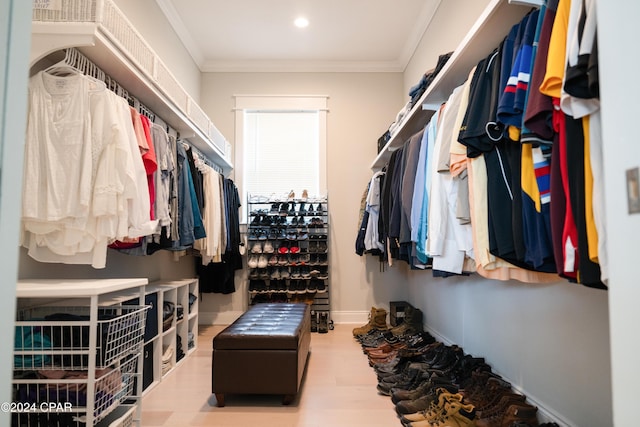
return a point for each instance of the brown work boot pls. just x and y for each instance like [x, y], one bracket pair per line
[457, 414]
[377, 320]
[521, 412]
[492, 417]
[435, 411]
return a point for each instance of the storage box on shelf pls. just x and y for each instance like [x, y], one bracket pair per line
[78, 348]
[288, 252]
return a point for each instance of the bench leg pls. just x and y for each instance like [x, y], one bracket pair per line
[288, 398]
[220, 400]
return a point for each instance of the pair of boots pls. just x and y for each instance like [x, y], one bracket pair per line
[319, 322]
[377, 321]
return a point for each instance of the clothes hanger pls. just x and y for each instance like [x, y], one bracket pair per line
[63, 68]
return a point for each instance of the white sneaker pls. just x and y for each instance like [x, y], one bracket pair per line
[256, 248]
[252, 262]
[268, 247]
[263, 261]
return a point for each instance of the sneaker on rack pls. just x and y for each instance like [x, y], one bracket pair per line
[256, 248]
[312, 286]
[323, 275]
[252, 262]
[268, 247]
[256, 220]
[302, 210]
[320, 286]
[295, 273]
[263, 274]
[263, 261]
[284, 209]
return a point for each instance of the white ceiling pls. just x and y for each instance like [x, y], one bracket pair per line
[259, 35]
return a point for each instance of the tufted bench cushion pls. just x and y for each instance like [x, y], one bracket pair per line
[263, 352]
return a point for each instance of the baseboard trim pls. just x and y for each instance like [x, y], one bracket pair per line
[350, 317]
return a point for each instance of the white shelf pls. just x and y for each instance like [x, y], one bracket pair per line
[74, 288]
[485, 35]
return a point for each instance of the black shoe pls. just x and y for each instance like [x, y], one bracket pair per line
[323, 322]
[314, 321]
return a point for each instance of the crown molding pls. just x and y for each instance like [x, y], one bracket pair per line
[293, 66]
[170, 12]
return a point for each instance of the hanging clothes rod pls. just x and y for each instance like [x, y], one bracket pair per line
[204, 158]
[77, 60]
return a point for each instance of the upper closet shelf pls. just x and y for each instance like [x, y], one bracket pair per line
[485, 35]
[103, 33]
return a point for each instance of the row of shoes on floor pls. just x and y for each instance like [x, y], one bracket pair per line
[435, 385]
[293, 286]
[264, 220]
[283, 273]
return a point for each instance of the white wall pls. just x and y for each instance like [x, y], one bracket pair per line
[160, 265]
[361, 107]
[446, 30]
[618, 32]
[148, 19]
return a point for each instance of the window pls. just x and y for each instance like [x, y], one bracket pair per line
[280, 145]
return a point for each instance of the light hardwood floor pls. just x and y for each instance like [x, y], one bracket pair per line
[338, 390]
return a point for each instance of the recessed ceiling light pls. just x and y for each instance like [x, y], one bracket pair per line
[301, 22]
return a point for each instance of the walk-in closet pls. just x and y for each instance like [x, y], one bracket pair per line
[435, 202]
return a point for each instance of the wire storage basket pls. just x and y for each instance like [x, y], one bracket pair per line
[68, 11]
[59, 398]
[53, 348]
[58, 337]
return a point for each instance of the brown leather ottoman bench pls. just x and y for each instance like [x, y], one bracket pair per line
[263, 352]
